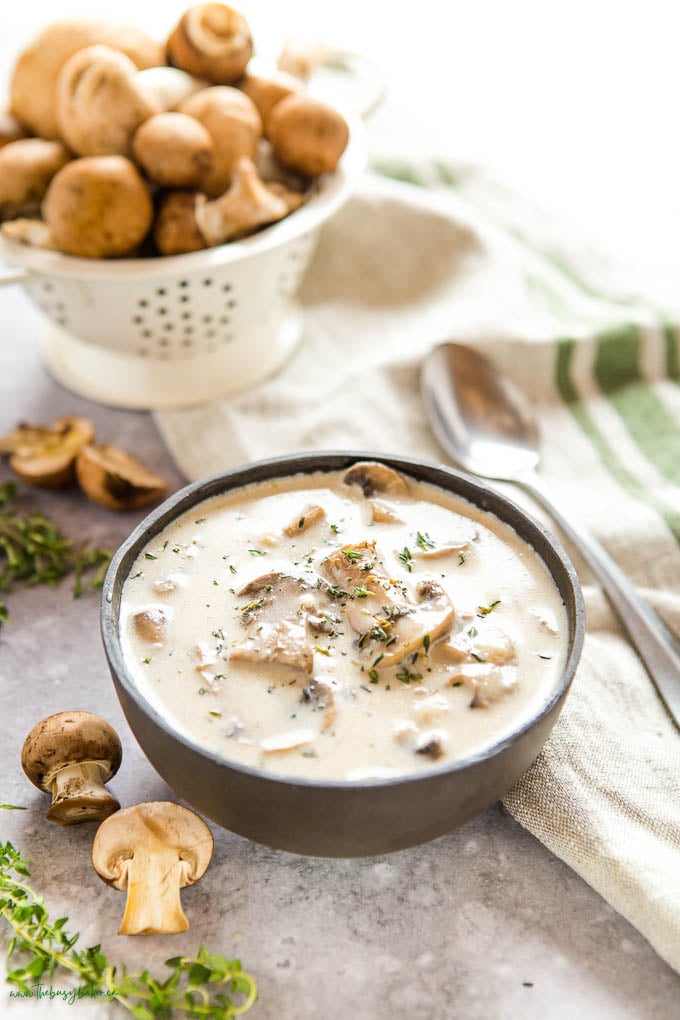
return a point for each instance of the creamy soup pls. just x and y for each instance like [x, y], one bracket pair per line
[342, 625]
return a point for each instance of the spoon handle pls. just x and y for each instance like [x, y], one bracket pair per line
[658, 648]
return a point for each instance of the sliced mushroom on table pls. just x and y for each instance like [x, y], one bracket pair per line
[46, 455]
[71, 755]
[115, 479]
[151, 851]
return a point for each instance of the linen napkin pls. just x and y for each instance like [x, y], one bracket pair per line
[401, 268]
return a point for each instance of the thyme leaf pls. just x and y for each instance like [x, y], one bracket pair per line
[33, 551]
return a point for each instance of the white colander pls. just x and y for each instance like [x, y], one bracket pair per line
[169, 332]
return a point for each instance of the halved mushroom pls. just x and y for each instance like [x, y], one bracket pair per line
[71, 755]
[26, 168]
[307, 518]
[174, 150]
[98, 207]
[276, 625]
[372, 478]
[381, 611]
[100, 103]
[487, 682]
[152, 851]
[482, 643]
[34, 79]
[46, 455]
[212, 41]
[308, 136]
[235, 126]
[115, 479]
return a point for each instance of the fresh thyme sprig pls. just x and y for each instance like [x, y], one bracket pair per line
[200, 986]
[34, 551]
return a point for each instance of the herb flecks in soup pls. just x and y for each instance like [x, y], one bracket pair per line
[342, 625]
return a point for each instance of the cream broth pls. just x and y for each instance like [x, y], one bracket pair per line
[342, 625]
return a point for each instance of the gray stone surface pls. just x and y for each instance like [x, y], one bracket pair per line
[483, 924]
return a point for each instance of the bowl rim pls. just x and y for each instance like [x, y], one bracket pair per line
[332, 192]
[185, 498]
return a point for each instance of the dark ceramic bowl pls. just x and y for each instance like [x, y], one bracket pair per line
[338, 818]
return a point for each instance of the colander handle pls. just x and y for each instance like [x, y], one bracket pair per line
[304, 59]
[10, 276]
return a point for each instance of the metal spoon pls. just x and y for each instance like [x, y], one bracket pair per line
[485, 423]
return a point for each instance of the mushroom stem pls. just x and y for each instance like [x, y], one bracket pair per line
[153, 905]
[79, 794]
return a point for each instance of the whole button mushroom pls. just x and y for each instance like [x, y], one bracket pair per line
[72, 755]
[168, 86]
[98, 207]
[100, 103]
[26, 168]
[212, 41]
[174, 150]
[307, 135]
[34, 79]
[235, 126]
[152, 850]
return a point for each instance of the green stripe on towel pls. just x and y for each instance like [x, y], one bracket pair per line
[608, 456]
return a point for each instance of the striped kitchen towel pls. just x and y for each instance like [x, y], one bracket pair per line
[401, 268]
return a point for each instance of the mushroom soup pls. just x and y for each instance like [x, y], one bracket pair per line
[342, 625]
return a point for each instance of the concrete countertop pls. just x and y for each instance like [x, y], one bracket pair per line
[483, 924]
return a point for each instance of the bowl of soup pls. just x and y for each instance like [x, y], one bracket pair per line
[341, 654]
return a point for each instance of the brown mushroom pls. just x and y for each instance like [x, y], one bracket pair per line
[46, 455]
[71, 755]
[235, 126]
[373, 477]
[100, 104]
[98, 207]
[152, 624]
[34, 79]
[11, 130]
[266, 92]
[247, 204]
[152, 851]
[26, 168]
[308, 136]
[174, 150]
[175, 231]
[212, 41]
[115, 479]
[187, 221]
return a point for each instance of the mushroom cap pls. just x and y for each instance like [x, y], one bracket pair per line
[212, 41]
[175, 230]
[232, 120]
[115, 479]
[11, 130]
[308, 136]
[69, 738]
[46, 455]
[34, 79]
[373, 477]
[100, 103]
[98, 206]
[157, 827]
[26, 168]
[174, 150]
